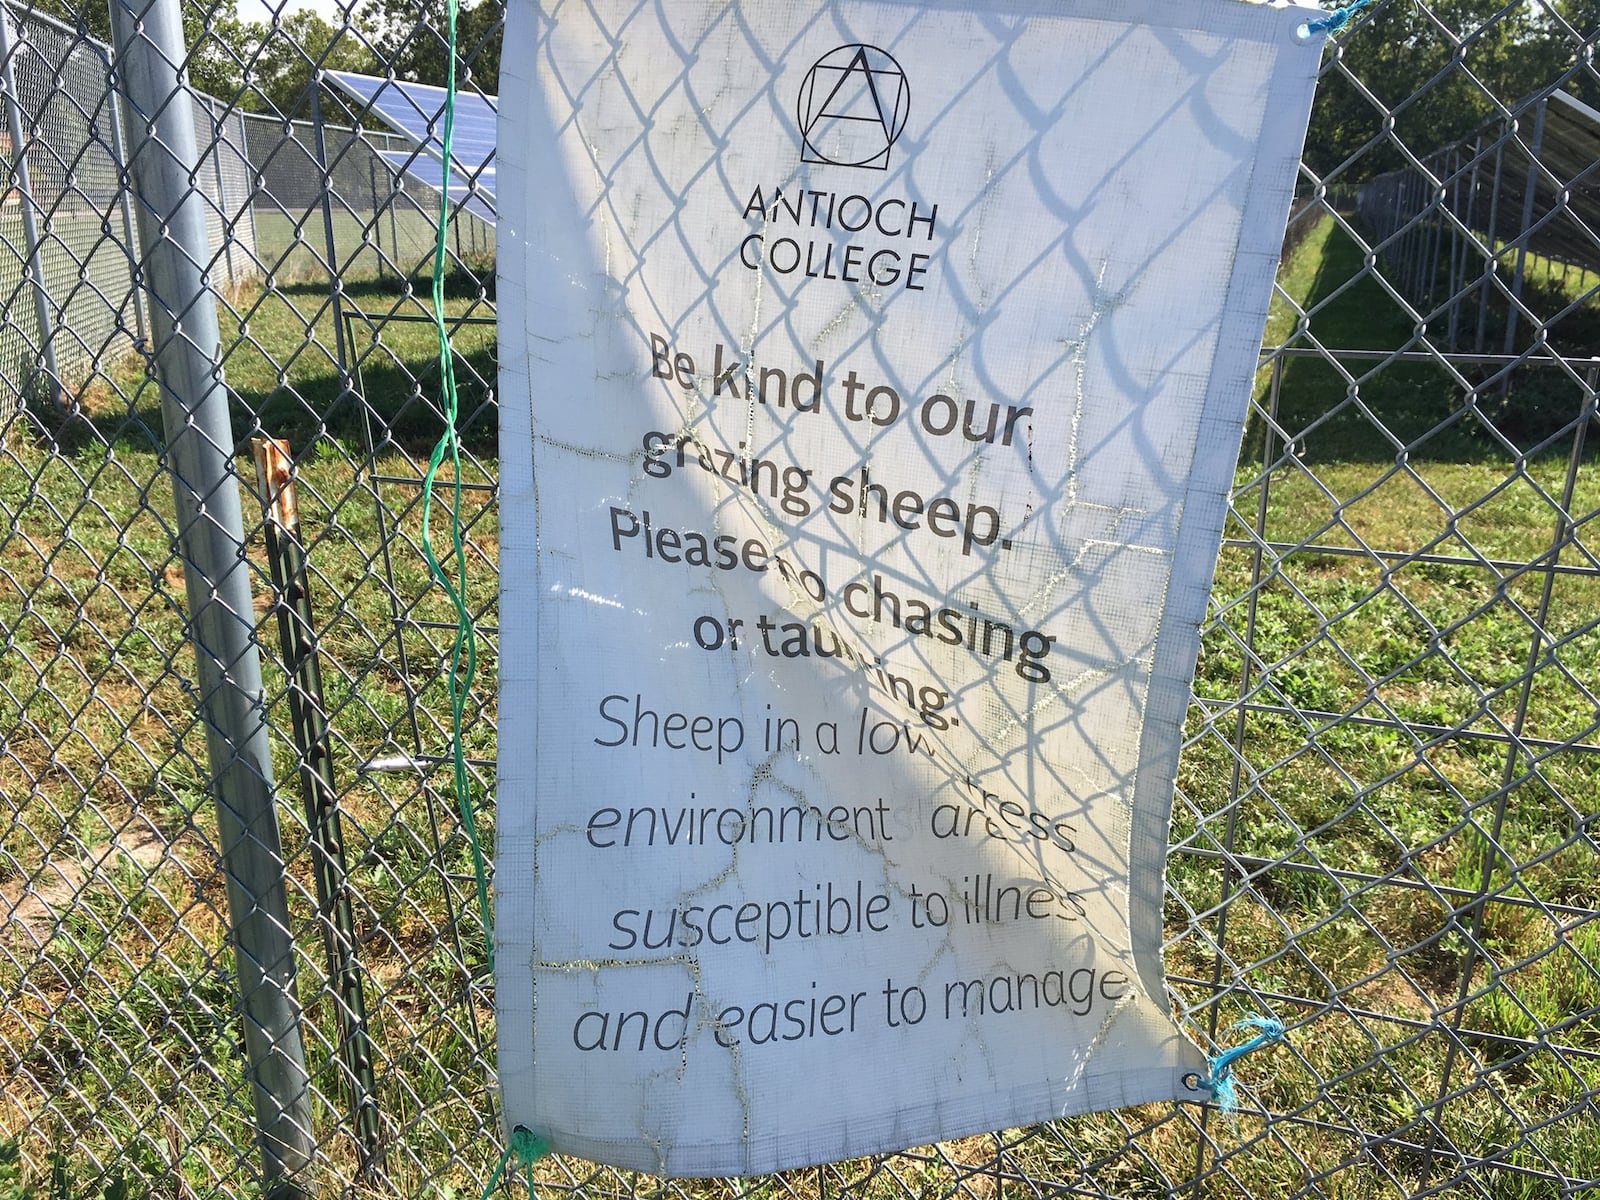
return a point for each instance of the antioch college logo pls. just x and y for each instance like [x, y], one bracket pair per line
[852, 106]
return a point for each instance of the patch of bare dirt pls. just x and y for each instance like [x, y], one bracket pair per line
[31, 908]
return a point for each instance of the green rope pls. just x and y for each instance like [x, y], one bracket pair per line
[523, 1145]
[527, 1148]
[466, 642]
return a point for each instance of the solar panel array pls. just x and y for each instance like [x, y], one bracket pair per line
[416, 112]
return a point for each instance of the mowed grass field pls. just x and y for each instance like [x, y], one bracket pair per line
[1367, 794]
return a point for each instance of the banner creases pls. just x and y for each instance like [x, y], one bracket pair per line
[872, 377]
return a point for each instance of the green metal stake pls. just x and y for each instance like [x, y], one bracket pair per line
[318, 789]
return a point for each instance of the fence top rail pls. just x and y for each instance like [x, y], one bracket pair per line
[1526, 359]
[37, 17]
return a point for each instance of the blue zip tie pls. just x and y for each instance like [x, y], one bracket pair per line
[1336, 20]
[1220, 1081]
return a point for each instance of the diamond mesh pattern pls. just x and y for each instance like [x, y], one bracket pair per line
[1386, 830]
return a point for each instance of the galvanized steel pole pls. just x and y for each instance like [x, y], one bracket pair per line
[1529, 195]
[21, 139]
[159, 110]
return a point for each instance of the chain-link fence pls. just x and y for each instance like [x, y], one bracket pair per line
[67, 222]
[68, 273]
[1386, 827]
[1526, 187]
[380, 219]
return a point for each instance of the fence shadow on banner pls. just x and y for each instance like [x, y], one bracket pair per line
[1102, 471]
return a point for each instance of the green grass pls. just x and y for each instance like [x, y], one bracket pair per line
[1440, 645]
[292, 247]
[118, 1041]
[95, 701]
[1347, 409]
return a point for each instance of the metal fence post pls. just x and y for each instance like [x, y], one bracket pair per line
[215, 155]
[335, 268]
[313, 737]
[1458, 283]
[1526, 231]
[199, 453]
[30, 224]
[1439, 172]
[252, 186]
[124, 202]
[377, 227]
[1491, 261]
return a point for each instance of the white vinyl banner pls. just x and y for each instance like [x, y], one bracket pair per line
[872, 377]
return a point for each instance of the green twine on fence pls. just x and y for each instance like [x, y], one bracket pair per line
[525, 1146]
[465, 647]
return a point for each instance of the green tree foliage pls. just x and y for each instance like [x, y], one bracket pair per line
[1420, 75]
[211, 29]
[87, 17]
[409, 36]
[214, 34]
[284, 56]
[1568, 48]
[1417, 75]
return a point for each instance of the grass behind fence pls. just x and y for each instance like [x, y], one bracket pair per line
[1341, 409]
[386, 243]
[121, 1052]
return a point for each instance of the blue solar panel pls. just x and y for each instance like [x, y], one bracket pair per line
[475, 195]
[416, 112]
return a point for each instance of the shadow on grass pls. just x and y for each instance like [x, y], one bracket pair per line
[283, 372]
[392, 350]
[286, 380]
[1385, 409]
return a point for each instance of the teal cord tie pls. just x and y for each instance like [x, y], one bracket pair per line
[527, 1148]
[524, 1145]
[1336, 20]
[464, 649]
[1220, 1081]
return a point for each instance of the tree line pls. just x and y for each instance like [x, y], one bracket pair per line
[269, 66]
[1424, 73]
[1428, 74]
